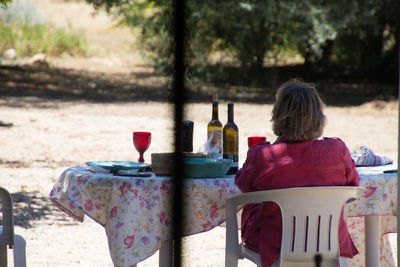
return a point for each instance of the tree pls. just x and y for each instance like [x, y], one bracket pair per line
[357, 34]
[4, 2]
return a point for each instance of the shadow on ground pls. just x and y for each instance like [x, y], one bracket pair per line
[30, 208]
[68, 84]
[40, 86]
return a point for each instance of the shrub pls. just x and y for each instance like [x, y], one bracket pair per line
[24, 28]
[29, 40]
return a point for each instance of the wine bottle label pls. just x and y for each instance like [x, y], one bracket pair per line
[216, 129]
[231, 141]
[215, 137]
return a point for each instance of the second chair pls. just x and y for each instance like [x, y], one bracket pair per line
[7, 236]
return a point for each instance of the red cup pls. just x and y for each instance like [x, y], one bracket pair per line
[256, 140]
[141, 141]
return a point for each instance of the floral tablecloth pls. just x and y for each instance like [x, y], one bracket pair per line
[135, 211]
[136, 214]
[380, 198]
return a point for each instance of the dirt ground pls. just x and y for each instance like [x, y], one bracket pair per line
[44, 141]
[52, 128]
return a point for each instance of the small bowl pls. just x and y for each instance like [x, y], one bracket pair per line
[206, 167]
[162, 164]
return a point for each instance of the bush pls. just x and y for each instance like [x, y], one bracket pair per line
[29, 40]
[357, 35]
[23, 28]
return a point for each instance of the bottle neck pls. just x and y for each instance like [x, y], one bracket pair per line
[214, 110]
[230, 112]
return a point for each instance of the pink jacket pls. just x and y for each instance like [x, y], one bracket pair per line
[282, 165]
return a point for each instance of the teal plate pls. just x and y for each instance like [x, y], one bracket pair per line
[118, 165]
[206, 167]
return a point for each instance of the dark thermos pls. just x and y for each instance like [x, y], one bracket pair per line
[187, 136]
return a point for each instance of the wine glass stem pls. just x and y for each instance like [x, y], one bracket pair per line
[141, 159]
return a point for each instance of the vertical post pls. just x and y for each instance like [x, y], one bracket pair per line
[372, 234]
[398, 157]
[3, 256]
[179, 100]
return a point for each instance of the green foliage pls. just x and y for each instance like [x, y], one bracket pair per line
[28, 40]
[154, 18]
[3, 3]
[23, 28]
[352, 35]
[368, 33]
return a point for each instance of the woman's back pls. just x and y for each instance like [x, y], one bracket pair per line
[287, 164]
[296, 159]
[309, 163]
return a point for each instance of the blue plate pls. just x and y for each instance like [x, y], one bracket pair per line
[206, 167]
[118, 165]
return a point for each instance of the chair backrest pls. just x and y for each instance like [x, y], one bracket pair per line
[310, 221]
[6, 218]
[310, 218]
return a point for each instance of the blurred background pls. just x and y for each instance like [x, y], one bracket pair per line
[242, 49]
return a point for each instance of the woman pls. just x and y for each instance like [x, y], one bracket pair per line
[296, 159]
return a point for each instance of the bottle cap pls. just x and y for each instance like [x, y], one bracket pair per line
[215, 97]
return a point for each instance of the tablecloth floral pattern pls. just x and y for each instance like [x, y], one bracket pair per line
[380, 198]
[137, 216]
[135, 211]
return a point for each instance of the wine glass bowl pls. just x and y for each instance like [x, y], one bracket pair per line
[256, 140]
[141, 141]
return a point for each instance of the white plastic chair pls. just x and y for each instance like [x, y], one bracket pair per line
[7, 236]
[310, 219]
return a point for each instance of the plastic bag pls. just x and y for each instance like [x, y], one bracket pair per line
[213, 147]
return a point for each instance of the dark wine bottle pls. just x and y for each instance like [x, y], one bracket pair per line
[231, 141]
[214, 127]
[187, 136]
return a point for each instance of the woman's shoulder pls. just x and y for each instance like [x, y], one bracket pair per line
[260, 147]
[332, 142]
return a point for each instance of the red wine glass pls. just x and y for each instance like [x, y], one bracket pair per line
[256, 140]
[141, 140]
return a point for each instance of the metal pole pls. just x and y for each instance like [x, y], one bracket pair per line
[179, 100]
[3, 255]
[398, 159]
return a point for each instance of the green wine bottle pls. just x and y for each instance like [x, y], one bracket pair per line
[214, 127]
[230, 135]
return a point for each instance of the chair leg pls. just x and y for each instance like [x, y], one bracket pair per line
[19, 251]
[3, 256]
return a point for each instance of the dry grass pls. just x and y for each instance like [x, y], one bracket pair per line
[113, 47]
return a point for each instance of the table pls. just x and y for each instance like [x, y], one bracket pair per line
[374, 213]
[136, 214]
